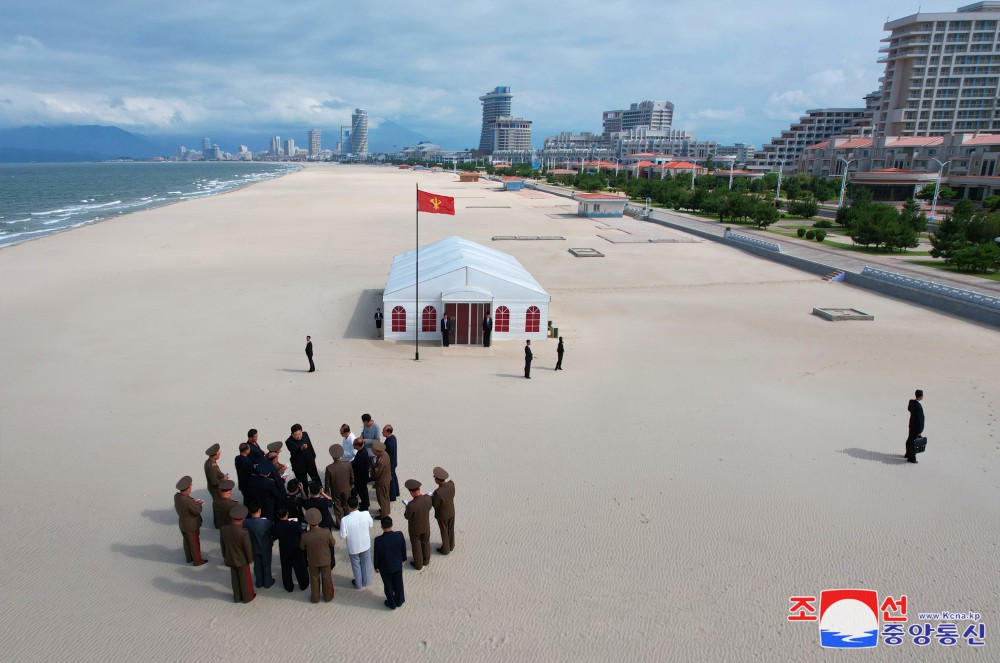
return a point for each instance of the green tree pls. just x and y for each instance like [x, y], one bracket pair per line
[804, 209]
[764, 214]
[992, 203]
[944, 193]
[913, 217]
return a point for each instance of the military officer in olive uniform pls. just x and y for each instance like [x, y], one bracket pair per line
[280, 468]
[213, 475]
[418, 515]
[443, 499]
[383, 477]
[318, 544]
[189, 519]
[222, 505]
[339, 481]
[238, 553]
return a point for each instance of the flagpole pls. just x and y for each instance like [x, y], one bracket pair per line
[416, 284]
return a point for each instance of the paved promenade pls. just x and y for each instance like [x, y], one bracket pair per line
[848, 261]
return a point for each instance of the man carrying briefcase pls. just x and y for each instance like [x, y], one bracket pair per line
[916, 427]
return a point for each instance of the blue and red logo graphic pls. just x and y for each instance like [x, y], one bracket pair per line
[848, 618]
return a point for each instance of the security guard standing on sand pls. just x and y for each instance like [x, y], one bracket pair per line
[189, 520]
[418, 516]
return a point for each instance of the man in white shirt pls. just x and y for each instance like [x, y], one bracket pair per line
[348, 443]
[355, 528]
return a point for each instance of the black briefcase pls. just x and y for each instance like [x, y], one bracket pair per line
[919, 444]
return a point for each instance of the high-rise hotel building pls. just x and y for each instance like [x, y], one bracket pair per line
[359, 131]
[315, 143]
[942, 73]
[496, 104]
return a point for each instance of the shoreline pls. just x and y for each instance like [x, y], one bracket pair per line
[166, 203]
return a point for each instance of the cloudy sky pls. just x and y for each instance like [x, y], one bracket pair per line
[736, 70]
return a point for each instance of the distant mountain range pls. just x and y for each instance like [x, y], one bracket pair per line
[74, 143]
[100, 143]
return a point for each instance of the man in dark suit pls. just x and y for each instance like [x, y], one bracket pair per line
[527, 359]
[303, 456]
[263, 492]
[559, 354]
[309, 354]
[256, 452]
[244, 469]
[362, 466]
[389, 555]
[916, 424]
[445, 330]
[487, 329]
[392, 450]
[262, 543]
[289, 534]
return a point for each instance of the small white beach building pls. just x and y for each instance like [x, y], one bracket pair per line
[464, 280]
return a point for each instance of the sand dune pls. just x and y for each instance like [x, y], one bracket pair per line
[710, 449]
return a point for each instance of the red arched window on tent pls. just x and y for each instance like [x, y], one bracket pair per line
[501, 321]
[532, 319]
[398, 319]
[429, 319]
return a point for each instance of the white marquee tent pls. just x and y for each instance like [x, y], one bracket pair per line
[465, 280]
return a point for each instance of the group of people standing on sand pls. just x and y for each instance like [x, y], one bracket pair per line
[304, 514]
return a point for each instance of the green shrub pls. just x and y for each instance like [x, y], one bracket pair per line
[810, 234]
[823, 223]
[820, 235]
[801, 232]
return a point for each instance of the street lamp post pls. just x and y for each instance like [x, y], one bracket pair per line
[732, 164]
[777, 194]
[937, 184]
[843, 179]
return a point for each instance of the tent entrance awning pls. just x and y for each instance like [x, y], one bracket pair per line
[467, 293]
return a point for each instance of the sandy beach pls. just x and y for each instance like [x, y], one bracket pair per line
[710, 449]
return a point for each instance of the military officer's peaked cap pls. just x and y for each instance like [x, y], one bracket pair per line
[274, 446]
[227, 484]
[336, 450]
[239, 512]
[378, 445]
[440, 473]
[313, 516]
[184, 483]
[412, 484]
[212, 450]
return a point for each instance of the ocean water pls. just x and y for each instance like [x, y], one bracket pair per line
[37, 199]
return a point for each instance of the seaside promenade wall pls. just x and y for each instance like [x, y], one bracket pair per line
[924, 297]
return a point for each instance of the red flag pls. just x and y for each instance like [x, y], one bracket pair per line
[435, 204]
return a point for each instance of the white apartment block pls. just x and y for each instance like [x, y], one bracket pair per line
[654, 115]
[813, 127]
[941, 73]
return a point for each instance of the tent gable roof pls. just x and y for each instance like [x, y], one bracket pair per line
[452, 254]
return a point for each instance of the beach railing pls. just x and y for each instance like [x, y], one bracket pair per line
[931, 286]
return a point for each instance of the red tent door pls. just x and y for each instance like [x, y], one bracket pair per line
[468, 322]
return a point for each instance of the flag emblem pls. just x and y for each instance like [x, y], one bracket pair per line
[435, 204]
